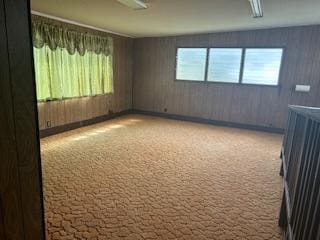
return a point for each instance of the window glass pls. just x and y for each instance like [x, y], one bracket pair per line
[191, 64]
[262, 66]
[224, 64]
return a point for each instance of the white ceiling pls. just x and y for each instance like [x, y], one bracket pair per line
[176, 17]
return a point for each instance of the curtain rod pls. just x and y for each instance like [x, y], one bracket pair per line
[77, 23]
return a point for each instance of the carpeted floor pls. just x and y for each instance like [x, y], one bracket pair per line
[140, 177]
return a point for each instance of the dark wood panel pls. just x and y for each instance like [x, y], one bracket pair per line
[155, 89]
[2, 227]
[11, 219]
[25, 117]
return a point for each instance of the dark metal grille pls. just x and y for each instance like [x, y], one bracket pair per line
[300, 210]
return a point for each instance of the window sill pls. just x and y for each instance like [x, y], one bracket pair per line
[227, 83]
[70, 98]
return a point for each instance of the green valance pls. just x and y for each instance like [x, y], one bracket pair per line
[57, 36]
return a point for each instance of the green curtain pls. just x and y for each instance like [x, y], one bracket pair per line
[62, 37]
[70, 64]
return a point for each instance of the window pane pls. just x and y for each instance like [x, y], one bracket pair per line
[191, 64]
[224, 64]
[262, 66]
[61, 75]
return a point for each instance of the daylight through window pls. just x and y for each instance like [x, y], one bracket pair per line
[259, 66]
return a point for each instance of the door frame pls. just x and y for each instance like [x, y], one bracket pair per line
[21, 192]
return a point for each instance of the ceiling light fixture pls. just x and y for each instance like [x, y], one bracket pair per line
[256, 8]
[134, 4]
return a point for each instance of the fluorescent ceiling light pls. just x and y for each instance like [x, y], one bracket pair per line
[256, 8]
[134, 4]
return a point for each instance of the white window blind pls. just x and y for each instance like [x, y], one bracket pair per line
[262, 66]
[191, 64]
[224, 65]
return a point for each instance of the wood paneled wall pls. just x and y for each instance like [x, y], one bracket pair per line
[21, 200]
[78, 109]
[155, 88]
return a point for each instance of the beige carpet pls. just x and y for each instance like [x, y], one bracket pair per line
[140, 177]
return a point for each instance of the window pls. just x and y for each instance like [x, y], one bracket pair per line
[191, 64]
[230, 65]
[60, 75]
[224, 65]
[71, 64]
[262, 66]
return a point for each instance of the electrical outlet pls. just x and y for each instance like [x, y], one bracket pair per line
[110, 112]
[302, 88]
[48, 124]
[165, 110]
